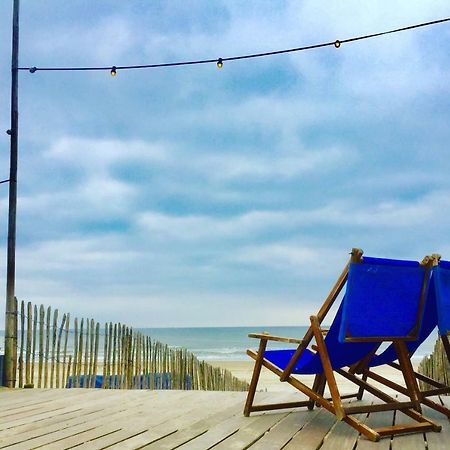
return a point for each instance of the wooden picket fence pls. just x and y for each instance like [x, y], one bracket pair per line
[436, 366]
[52, 352]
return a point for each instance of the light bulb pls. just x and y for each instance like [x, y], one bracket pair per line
[219, 63]
[113, 71]
[337, 44]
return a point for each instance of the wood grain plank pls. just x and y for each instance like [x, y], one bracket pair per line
[103, 409]
[375, 420]
[438, 441]
[84, 437]
[278, 436]
[251, 432]
[197, 428]
[342, 435]
[311, 436]
[407, 442]
[219, 432]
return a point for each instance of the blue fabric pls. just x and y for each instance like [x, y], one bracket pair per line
[429, 321]
[382, 298]
[387, 293]
[341, 354]
[441, 278]
[160, 381]
[390, 262]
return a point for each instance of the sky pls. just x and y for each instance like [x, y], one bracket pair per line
[198, 196]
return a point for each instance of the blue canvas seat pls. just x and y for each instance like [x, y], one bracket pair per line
[342, 354]
[384, 301]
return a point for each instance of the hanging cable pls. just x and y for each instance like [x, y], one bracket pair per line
[220, 61]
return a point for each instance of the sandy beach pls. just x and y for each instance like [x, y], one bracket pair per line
[269, 382]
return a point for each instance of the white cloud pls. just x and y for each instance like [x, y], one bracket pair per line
[95, 155]
[108, 40]
[196, 194]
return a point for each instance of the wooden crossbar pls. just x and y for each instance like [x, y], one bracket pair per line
[405, 429]
[378, 408]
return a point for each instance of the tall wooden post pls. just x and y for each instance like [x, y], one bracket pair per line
[11, 309]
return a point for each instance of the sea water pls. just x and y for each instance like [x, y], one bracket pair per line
[231, 343]
[225, 343]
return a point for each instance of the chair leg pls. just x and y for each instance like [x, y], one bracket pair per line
[318, 386]
[360, 394]
[408, 374]
[327, 369]
[255, 378]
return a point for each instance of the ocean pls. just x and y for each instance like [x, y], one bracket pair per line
[228, 343]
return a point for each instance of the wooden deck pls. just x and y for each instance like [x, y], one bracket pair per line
[197, 420]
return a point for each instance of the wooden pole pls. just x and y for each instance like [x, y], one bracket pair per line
[66, 334]
[10, 362]
[47, 345]
[91, 354]
[54, 334]
[41, 343]
[75, 354]
[28, 348]
[97, 339]
[80, 353]
[86, 355]
[22, 335]
[58, 352]
[35, 317]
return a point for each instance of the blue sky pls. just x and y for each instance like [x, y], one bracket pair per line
[202, 197]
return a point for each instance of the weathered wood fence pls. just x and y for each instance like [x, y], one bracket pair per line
[436, 365]
[54, 352]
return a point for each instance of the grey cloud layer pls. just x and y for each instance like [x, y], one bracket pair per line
[216, 192]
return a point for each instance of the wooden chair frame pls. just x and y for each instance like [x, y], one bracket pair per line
[335, 404]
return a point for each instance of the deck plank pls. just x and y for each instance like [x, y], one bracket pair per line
[342, 435]
[311, 436]
[414, 441]
[80, 413]
[132, 415]
[30, 410]
[438, 441]
[377, 420]
[139, 429]
[218, 433]
[278, 436]
[79, 417]
[196, 428]
[251, 432]
[198, 420]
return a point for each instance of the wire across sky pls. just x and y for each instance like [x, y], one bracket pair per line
[219, 61]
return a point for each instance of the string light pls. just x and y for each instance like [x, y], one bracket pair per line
[219, 62]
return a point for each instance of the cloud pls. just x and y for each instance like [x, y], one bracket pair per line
[200, 196]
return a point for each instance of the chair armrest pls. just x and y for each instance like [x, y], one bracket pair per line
[269, 337]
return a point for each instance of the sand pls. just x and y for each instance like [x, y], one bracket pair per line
[270, 382]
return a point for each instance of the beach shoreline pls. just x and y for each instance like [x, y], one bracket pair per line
[269, 382]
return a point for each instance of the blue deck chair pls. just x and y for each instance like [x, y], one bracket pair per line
[436, 313]
[384, 301]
